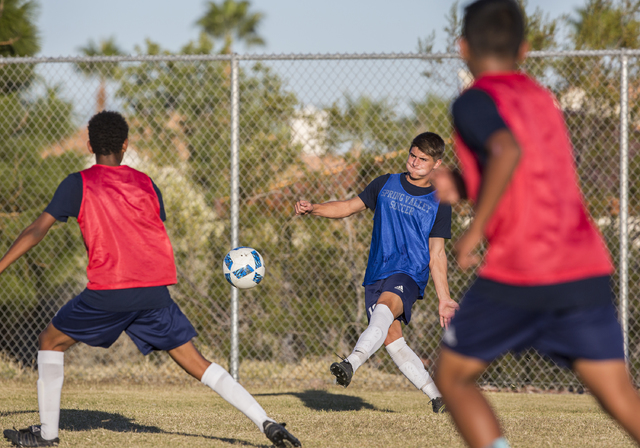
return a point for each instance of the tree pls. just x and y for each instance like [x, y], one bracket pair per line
[430, 114]
[102, 70]
[453, 28]
[32, 118]
[589, 87]
[18, 37]
[541, 34]
[540, 30]
[231, 21]
[364, 124]
[32, 121]
[18, 34]
[606, 24]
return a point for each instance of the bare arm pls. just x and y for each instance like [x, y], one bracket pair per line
[31, 236]
[449, 184]
[333, 209]
[438, 267]
[503, 157]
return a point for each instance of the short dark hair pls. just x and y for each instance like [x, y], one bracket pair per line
[107, 132]
[429, 143]
[493, 28]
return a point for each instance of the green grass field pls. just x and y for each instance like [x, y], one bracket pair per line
[190, 415]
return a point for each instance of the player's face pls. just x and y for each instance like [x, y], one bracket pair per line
[420, 165]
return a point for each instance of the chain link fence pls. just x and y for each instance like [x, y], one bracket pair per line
[315, 127]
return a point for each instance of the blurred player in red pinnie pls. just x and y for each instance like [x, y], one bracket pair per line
[545, 279]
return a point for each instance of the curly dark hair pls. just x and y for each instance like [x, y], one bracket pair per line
[107, 132]
[429, 143]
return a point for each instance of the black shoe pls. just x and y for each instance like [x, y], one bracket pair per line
[343, 371]
[438, 405]
[278, 435]
[28, 437]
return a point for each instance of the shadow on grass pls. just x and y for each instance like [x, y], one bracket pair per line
[320, 400]
[86, 420]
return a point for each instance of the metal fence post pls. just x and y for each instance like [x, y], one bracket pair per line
[624, 198]
[235, 209]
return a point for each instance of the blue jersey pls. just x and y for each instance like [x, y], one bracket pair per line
[401, 228]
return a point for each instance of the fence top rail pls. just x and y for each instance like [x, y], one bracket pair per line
[293, 56]
[226, 57]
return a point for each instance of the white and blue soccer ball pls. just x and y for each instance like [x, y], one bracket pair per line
[243, 267]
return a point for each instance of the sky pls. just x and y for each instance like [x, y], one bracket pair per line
[289, 26]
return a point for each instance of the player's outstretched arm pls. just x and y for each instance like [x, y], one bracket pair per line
[503, 157]
[333, 209]
[32, 235]
[438, 266]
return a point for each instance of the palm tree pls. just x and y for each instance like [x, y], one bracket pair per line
[102, 70]
[231, 21]
[18, 33]
[18, 37]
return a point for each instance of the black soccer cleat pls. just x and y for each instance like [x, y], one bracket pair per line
[278, 435]
[28, 437]
[438, 405]
[343, 371]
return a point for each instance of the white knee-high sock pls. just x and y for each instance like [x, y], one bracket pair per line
[222, 383]
[500, 442]
[412, 367]
[373, 337]
[50, 379]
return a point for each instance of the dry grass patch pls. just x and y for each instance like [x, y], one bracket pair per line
[171, 415]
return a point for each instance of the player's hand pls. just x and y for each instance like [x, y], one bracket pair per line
[445, 184]
[447, 308]
[304, 207]
[465, 248]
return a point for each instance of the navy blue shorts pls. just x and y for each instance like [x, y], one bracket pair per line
[400, 284]
[157, 329]
[486, 329]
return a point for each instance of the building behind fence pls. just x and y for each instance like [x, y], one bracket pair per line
[233, 142]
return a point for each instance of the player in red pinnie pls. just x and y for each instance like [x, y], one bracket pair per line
[545, 280]
[120, 213]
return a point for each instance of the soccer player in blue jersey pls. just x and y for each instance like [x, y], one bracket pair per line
[408, 242]
[545, 278]
[120, 213]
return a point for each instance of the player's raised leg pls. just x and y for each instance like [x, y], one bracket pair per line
[388, 307]
[219, 380]
[411, 366]
[610, 383]
[456, 377]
